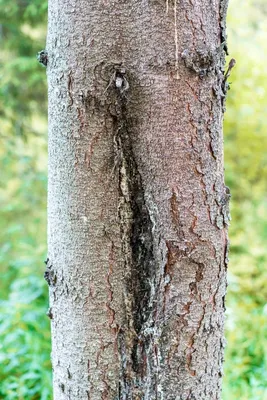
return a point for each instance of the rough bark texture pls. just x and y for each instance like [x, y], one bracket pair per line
[138, 210]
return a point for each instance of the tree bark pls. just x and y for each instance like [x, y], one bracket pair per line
[137, 206]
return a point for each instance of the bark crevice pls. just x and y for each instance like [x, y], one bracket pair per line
[137, 247]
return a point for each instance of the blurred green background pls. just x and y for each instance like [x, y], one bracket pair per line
[25, 370]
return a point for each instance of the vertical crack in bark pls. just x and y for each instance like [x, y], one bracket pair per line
[137, 248]
[110, 309]
[223, 12]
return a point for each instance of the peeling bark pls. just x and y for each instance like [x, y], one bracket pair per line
[137, 206]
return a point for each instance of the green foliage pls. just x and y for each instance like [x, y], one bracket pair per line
[25, 340]
[22, 90]
[25, 370]
[246, 174]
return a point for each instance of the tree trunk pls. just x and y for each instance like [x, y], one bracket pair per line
[137, 207]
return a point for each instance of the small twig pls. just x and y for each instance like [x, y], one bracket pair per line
[225, 84]
[231, 65]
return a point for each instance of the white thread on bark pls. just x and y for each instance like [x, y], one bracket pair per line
[176, 40]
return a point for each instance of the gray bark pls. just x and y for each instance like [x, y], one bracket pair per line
[137, 206]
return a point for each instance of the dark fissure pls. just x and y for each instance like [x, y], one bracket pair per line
[136, 231]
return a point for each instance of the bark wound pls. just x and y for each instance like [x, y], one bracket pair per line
[137, 246]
